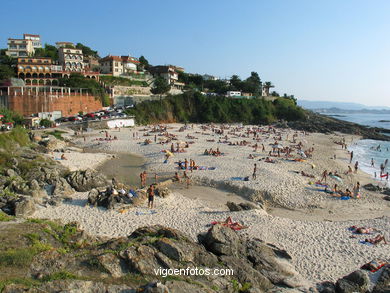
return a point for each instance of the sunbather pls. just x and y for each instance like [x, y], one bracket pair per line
[363, 230]
[377, 239]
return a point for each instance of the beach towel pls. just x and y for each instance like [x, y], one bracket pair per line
[319, 184]
[366, 243]
[140, 213]
[336, 178]
[202, 168]
[345, 198]
[237, 178]
[211, 168]
[133, 193]
[374, 265]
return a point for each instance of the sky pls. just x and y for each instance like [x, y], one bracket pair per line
[332, 50]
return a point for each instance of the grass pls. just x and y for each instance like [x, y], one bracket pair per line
[62, 275]
[18, 136]
[56, 133]
[5, 218]
[122, 81]
[23, 281]
[19, 257]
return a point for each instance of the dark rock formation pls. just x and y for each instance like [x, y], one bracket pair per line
[243, 206]
[86, 180]
[357, 281]
[383, 284]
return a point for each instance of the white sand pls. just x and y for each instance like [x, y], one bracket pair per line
[321, 250]
[80, 161]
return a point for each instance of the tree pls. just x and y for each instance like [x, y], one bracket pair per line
[6, 72]
[144, 63]
[252, 84]
[49, 51]
[160, 86]
[87, 50]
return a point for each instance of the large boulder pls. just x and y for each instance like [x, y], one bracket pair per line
[383, 283]
[372, 187]
[62, 187]
[112, 264]
[86, 180]
[222, 240]
[23, 206]
[357, 281]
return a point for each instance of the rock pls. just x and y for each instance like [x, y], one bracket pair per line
[162, 192]
[372, 187]
[48, 262]
[387, 197]
[248, 206]
[244, 272]
[383, 283]
[35, 190]
[141, 259]
[274, 264]
[183, 287]
[86, 180]
[386, 191]
[24, 206]
[62, 187]
[158, 231]
[112, 264]
[357, 281]
[11, 173]
[233, 207]
[326, 287]
[93, 197]
[222, 240]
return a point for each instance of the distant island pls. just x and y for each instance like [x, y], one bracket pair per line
[342, 107]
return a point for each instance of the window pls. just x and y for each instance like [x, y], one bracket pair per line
[116, 69]
[22, 46]
[30, 60]
[40, 68]
[21, 67]
[34, 68]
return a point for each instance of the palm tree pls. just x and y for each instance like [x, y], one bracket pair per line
[266, 86]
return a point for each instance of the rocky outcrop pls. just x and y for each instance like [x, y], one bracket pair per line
[243, 206]
[315, 122]
[86, 180]
[383, 283]
[357, 281]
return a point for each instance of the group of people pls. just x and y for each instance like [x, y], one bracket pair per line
[187, 165]
[335, 191]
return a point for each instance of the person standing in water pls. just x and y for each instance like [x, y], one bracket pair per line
[356, 166]
[150, 196]
[351, 157]
[372, 162]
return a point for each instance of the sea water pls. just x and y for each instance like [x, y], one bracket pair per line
[366, 149]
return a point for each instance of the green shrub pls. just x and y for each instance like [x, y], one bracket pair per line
[4, 217]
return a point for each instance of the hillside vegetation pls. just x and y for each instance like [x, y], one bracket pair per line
[195, 108]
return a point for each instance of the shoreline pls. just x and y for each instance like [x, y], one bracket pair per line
[312, 226]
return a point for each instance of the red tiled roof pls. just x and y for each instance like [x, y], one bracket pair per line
[24, 35]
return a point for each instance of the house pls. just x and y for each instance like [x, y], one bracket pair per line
[233, 94]
[168, 72]
[71, 59]
[36, 40]
[35, 70]
[20, 48]
[64, 45]
[118, 65]
[209, 77]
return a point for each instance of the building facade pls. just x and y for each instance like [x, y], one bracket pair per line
[35, 39]
[118, 65]
[71, 59]
[20, 48]
[169, 73]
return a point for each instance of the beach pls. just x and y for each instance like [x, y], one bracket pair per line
[311, 225]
